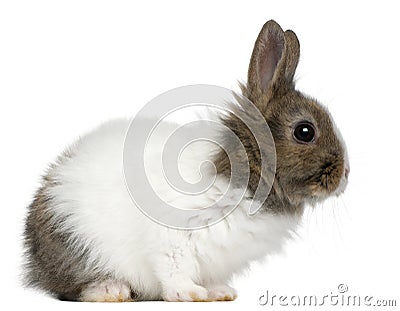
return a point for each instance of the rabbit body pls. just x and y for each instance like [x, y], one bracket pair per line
[87, 240]
[88, 200]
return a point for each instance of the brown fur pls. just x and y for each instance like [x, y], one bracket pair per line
[304, 172]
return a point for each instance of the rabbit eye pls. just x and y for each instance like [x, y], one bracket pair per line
[304, 132]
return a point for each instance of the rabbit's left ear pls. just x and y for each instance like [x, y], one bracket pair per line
[274, 60]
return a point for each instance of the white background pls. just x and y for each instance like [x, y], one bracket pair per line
[66, 66]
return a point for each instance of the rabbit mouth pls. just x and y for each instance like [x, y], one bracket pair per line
[331, 180]
[334, 177]
[342, 185]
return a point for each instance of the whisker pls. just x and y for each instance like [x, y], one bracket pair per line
[338, 223]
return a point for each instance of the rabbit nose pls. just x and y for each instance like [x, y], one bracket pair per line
[347, 171]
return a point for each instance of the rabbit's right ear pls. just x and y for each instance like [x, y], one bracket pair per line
[273, 62]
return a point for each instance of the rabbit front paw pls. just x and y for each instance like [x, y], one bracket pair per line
[190, 292]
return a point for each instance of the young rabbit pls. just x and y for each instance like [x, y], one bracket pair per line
[85, 239]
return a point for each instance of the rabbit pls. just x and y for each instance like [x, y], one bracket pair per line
[85, 240]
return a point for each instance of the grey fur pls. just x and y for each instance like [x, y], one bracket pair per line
[52, 264]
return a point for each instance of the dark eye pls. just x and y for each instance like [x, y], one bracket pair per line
[304, 132]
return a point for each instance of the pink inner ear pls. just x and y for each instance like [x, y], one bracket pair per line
[268, 60]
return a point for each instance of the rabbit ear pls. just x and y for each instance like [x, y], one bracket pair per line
[274, 60]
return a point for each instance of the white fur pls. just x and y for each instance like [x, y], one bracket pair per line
[158, 262]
